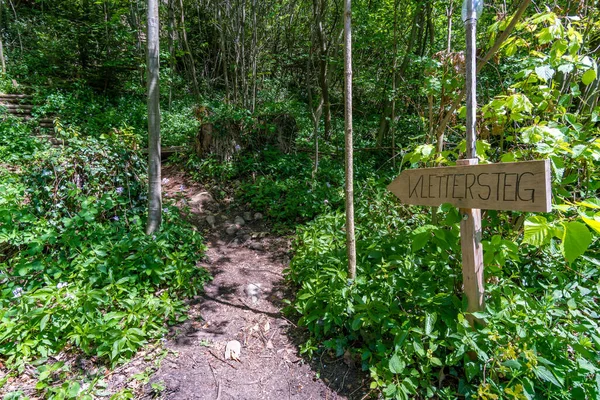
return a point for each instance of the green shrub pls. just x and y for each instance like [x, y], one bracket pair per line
[405, 318]
[78, 272]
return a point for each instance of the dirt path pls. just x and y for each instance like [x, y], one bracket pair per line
[243, 303]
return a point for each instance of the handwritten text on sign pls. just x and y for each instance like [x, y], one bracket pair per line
[521, 186]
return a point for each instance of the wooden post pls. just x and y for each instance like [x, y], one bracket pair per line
[472, 254]
[470, 225]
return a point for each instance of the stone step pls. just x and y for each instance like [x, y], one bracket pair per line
[12, 106]
[14, 96]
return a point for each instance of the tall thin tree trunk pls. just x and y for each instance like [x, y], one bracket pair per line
[350, 239]
[171, 34]
[244, 88]
[315, 113]
[449, 11]
[393, 121]
[224, 57]
[154, 178]
[188, 50]
[254, 55]
[1, 43]
[319, 11]
[384, 123]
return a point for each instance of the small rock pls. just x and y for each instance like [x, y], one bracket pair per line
[239, 220]
[247, 216]
[253, 291]
[246, 237]
[256, 246]
[211, 220]
[231, 229]
[233, 350]
[201, 199]
[258, 216]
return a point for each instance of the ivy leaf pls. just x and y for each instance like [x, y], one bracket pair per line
[588, 76]
[576, 240]
[537, 231]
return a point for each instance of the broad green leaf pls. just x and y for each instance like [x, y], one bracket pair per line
[419, 349]
[576, 240]
[430, 319]
[44, 321]
[537, 231]
[588, 76]
[544, 72]
[546, 375]
[396, 364]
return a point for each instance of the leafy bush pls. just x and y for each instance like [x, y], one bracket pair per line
[404, 317]
[78, 272]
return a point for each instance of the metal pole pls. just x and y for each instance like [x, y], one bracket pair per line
[470, 64]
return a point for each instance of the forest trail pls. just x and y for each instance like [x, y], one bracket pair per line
[243, 302]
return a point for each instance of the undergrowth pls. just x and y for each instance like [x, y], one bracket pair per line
[79, 275]
[404, 317]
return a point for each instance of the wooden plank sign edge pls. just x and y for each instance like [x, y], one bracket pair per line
[518, 186]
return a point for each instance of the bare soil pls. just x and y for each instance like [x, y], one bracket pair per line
[270, 365]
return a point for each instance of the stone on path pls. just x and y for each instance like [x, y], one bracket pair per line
[233, 350]
[232, 229]
[258, 216]
[247, 216]
[256, 246]
[253, 291]
[211, 220]
[239, 220]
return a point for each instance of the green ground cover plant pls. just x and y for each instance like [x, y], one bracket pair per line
[78, 273]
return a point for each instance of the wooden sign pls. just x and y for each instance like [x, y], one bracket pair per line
[520, 186]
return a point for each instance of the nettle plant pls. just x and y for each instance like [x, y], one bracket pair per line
[551, 111]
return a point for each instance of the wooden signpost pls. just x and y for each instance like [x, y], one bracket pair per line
[520, 186]
[523, 186]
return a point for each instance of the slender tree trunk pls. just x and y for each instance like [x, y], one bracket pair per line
[393, 120]
[224, 57]
[315, 113]
[244, 88]
[154, 178]
[319, 13]
[188, 50]
[1, 43]
[449, 11]
[254, 55]
[350, 239]
[384, 123]
[171, 34]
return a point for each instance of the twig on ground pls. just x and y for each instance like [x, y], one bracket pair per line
[284, 318]
[344, 378]
[357, 389]
[220, 359]
[216, 381]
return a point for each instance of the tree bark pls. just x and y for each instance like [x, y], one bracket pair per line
[350, 239]
[154, 178]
